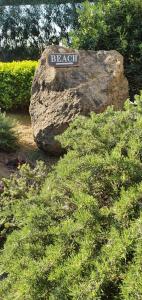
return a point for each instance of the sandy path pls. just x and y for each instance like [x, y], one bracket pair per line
[27, 150]
[24, 131]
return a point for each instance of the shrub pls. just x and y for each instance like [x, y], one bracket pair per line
[8, 139]
[15, 84]
[19, 189]
[80, 236]
[114, 24]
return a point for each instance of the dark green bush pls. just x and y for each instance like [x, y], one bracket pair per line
[15, 84]
[114, 24]
[8, 138]
[79, 237]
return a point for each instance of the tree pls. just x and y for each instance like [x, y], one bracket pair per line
[35, 2]
[26, 31]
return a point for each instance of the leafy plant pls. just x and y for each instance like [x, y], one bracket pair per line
[8, 138]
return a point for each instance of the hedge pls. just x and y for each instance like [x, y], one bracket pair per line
[15, 84]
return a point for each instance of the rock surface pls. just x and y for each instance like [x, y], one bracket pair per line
[60, 94]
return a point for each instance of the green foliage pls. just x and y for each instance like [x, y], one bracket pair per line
[15, 84]
[114, 24]
[8, 139]
[20, 190]
[79, 237]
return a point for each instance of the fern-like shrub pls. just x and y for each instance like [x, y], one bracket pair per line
[19, 189]
[80, 235]
[8, 139]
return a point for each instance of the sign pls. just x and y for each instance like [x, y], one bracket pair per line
[63, 60]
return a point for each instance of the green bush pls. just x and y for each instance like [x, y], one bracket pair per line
[8, 138]
[114, 24]
[23, 186]
[15, 84]
[79, 235]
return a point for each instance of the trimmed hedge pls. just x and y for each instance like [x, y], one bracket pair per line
[15, 84]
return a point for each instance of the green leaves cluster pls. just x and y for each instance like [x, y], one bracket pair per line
[114, 24]
[15, 84]
[8, 138]
[80, 236]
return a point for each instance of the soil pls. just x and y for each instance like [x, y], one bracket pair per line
[27, 150]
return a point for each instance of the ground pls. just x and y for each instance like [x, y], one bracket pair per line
[27, 151]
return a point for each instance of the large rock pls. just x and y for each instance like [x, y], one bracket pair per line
[60, 94]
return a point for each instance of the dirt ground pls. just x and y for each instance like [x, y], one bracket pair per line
[27, 150]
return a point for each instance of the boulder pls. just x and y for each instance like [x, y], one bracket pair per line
[60, 94]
